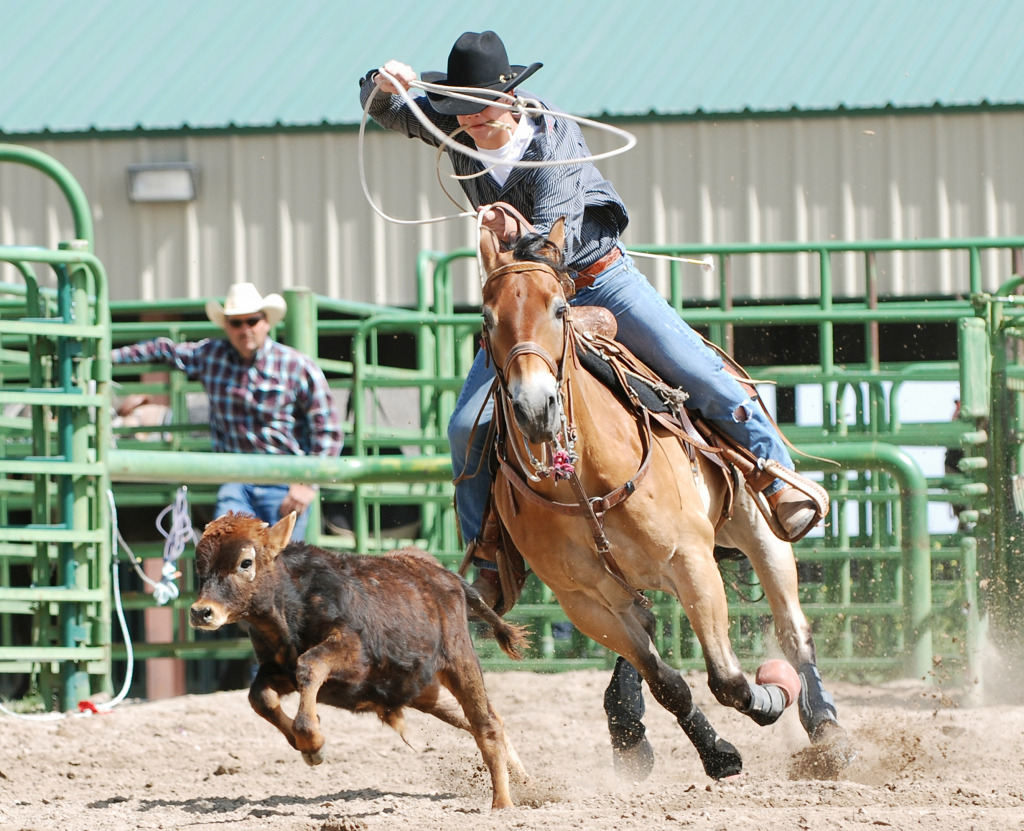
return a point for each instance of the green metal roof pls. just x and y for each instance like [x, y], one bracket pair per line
[73, 66]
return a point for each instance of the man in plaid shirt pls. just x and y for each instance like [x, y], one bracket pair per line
[264, 398]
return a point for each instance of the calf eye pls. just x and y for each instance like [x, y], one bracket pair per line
[247, 563]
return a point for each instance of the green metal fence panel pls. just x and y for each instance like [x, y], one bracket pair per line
[873, 578]
[885, 597]
[56, 561]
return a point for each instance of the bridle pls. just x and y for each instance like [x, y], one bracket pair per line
[560, 455]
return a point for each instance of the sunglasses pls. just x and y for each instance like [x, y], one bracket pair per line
[239, 322]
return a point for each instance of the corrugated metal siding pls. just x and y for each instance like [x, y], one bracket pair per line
[124, 64]
[287, 209]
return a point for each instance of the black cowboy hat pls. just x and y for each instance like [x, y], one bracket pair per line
[478, 59]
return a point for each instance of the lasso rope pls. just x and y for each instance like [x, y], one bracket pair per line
[521, 106]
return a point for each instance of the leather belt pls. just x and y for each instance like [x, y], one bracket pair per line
[585, 276]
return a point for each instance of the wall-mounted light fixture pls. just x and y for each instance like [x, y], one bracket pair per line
[163, 182]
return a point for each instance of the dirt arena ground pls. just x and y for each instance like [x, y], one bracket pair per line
[208, 763]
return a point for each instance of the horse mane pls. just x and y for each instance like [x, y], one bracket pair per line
[536, 248]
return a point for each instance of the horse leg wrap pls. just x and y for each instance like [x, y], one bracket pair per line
[767, 703]
[632, 754]
[719, 757]
[816, 704]
[624, 706]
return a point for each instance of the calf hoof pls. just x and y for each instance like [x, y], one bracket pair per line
[634, 764]
[313, 758]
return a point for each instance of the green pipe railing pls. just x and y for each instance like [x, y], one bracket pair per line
[62, 177]
[216, 468]
[916, 545]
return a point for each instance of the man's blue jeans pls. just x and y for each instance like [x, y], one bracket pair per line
[650, 328]
[263, 501]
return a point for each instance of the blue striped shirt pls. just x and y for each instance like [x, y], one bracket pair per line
[279, 403]
[595, 215]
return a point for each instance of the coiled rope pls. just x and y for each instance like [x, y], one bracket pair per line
[507, 101]
[164, 590]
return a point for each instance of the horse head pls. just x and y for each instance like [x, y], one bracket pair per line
[525, 312]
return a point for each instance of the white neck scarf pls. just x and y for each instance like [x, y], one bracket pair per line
[507, 155]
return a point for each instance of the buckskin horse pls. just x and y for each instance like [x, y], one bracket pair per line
[603, 505]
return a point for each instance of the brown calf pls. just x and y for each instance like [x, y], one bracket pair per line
[356, 632]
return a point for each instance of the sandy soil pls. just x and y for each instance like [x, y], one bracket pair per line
[208, 762]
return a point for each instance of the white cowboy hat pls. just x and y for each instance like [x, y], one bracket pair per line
[244, 299]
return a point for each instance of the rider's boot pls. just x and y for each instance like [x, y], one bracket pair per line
[795, 511]
[484, 552]
[791, 503]
[487, 581]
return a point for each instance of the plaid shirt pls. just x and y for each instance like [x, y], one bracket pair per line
[280, 403]
[595, 215]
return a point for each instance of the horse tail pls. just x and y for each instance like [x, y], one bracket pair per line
[511, 638]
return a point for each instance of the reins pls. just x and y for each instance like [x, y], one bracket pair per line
[591, 509]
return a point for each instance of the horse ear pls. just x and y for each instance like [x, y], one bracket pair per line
[488, 249]
[557, 234]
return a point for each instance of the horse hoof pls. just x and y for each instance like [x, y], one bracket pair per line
[831, 740]
[313, 758]
[831, 751]
[635, 763]
[724, 762]
[782, 675]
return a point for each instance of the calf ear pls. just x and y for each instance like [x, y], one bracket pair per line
[281, 533]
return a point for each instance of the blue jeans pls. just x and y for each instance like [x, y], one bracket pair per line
[650, 328]
[262, 501]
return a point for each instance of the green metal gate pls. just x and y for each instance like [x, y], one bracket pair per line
[54, 530]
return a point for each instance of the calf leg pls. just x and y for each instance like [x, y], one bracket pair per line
[311, 670]
[265, 698]
[464, 678]
[440, 703]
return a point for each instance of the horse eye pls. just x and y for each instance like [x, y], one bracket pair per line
[245, 565]
[561, 309]
[488, 318]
